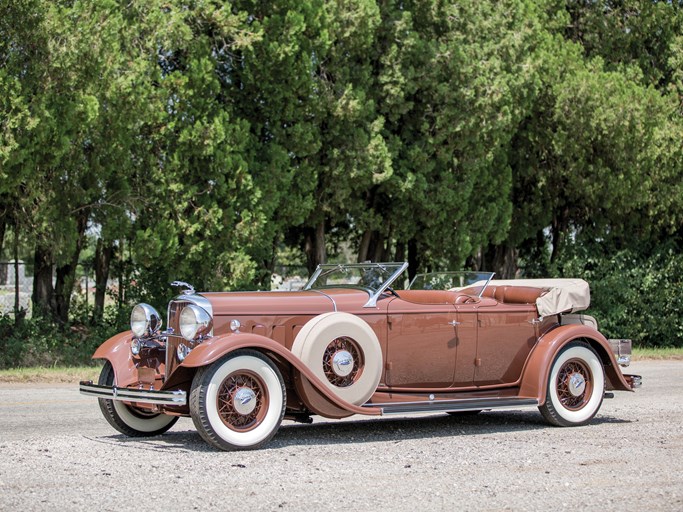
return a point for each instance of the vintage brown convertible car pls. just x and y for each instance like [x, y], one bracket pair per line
[239, 363]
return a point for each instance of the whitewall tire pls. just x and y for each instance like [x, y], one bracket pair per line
[343, 351]
[238, 402]
[576, 386]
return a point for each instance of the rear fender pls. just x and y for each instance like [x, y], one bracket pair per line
[535, 379]
[213, 349]
[116, 350]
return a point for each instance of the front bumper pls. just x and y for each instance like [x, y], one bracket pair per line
[140, 396]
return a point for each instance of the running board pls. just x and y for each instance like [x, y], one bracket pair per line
[468, 404]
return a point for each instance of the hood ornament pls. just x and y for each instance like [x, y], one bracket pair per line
[189, 288]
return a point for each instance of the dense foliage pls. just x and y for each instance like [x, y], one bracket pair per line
[214, 141]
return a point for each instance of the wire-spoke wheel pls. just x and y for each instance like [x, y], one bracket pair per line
[343, 362]
[576, 386]
[128, 420]
[238, 402]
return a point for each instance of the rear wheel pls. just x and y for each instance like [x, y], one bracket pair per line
[128, 420]
[238, 402]
[576, 386]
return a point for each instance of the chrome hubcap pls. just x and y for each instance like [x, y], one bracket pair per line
[244, 401]
[342, 363]
[577, 384]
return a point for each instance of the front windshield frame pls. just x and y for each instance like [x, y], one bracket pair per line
[368, 282]
[453, 281]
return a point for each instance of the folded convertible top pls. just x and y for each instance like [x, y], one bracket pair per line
[562, 296]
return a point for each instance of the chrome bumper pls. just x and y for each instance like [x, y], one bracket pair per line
[141, 396]
[635, 381]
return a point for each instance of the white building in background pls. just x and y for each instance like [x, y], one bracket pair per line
[7, 287]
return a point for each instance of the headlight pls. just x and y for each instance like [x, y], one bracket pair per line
[144, 320]
[195, 322]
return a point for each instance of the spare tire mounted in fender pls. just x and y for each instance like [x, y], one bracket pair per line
[343, 351]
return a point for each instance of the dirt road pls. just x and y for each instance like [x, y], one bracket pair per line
[58, 453]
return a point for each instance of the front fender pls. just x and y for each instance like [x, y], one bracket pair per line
[535, 379]
[213, 349]
[116, 350]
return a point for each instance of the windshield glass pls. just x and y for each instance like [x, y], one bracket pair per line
[372, 277]
[473, 283]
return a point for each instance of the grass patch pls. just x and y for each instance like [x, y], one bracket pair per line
[670, 353]
[72, 374]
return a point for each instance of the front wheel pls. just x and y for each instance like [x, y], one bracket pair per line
[238, 402]
[576, 386]
[129, 420]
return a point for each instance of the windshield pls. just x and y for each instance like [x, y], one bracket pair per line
[473, 282]
[371, 277]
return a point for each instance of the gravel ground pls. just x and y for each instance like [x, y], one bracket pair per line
[57, 452]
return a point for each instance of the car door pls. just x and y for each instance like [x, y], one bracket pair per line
[421, 345]
[506, 335]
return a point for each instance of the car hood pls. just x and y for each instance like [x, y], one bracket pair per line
[311, 302]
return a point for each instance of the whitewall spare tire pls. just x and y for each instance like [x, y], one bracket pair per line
[343, 351]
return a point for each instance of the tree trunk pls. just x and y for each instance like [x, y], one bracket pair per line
[378, 253]
[43, 291]
[314, 247]
[3, 228]
[559, 227]
[103, 256]
[364, 246]
[400, 251]
[122, 272]
[66, 274]
[413, 259]
[18, 315]
[501, 259]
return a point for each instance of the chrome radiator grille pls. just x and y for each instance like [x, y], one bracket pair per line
[174, 339]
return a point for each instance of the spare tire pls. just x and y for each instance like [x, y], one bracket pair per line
[343, 352]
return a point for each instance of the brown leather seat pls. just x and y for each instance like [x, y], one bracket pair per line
[428, 296]
[514, 294]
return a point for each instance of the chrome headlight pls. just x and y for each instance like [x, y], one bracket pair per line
[144, 320]
[195, 322]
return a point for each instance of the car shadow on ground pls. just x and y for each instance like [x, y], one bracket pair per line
[354, 431]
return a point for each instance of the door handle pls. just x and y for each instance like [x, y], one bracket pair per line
[453, 323]
[535, 321]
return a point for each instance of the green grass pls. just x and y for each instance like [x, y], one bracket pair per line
[640, 354]
[57, 374]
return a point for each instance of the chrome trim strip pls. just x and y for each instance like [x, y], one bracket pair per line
[334, 304]
[473, 404]
[142, 396]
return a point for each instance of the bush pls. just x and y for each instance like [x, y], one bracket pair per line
[39, 342]
[635, 296]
